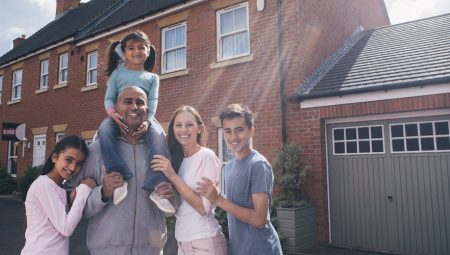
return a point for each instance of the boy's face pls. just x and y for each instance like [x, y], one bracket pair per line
[237, 135]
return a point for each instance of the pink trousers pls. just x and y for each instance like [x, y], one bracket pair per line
[208, 246]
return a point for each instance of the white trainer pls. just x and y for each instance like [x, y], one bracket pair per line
[120, 193]
[162, 203]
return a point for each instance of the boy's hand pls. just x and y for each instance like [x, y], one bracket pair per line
[142, 129]
[207, 189]
[118, 120]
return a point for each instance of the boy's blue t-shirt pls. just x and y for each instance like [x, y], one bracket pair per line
[243, 178]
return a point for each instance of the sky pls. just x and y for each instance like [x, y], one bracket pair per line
[25, 17]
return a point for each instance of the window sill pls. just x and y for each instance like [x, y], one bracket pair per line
[58, 86]
[39, 91]
[89, 88]
[233, 61]
[14, 101]
[174, 74]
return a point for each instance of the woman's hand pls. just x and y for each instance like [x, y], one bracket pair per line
[118, 120]
[162, 164]
[142, 129]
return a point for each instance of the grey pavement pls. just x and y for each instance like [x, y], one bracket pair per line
[12, 238]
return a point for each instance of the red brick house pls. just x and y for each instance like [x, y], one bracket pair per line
[271, 55]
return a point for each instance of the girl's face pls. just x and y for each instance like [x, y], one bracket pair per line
[67, 163]
[186, 129]
[136, 52]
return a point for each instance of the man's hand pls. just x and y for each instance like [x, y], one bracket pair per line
[111, 182]
[142, 129]
[207, 189]
[118, 120]
[165, 190]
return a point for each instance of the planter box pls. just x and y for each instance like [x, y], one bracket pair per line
[298, 227]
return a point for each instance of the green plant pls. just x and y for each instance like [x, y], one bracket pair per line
[292, 173]
[7, 183]
[25, 181]
[221, 216]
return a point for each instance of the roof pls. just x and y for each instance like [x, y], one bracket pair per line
[410, 54]
[87, 20]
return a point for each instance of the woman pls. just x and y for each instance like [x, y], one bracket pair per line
[196, 230]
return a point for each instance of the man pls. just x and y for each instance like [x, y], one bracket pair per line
[135, 226]
[248, 185]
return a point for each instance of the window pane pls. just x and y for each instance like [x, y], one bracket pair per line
[396, 131]
[441, 128]
[412, 144]
[377, 146]
[338, 134]
[364, 147]
[427, 144]
[426, 129]
[398, 145]
[241, 43]
[226, 22]
[93, 76]
[376, 132]
[411, 130]
[351, 147]
[339, 148]
[93, 61]
[443, 143]
[350, 133]
[240, 18]
[363, 133]
[228, 46]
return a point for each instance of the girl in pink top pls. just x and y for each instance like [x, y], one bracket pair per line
[196, 230]
[50, 222]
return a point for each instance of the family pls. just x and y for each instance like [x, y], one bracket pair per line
[132, 177]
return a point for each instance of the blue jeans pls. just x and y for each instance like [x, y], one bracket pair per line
[155, 140]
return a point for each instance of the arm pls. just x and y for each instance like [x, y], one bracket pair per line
[153, 97]
[111, 94]
[55, 209]
[256, 216]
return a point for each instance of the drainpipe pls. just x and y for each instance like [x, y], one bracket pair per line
[281, 73]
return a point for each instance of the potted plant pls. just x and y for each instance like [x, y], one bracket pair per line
[296, 214]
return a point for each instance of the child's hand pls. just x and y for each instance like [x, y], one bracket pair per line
[89, 182]
[162, 164]
[142, 129]
[118, 120]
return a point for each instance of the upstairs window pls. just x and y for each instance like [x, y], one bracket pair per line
[63, 67]
[420, 137]
[17, 85]
[44, 74]
[1, 89]
[233, 32]
[92, 60]
[174, 48]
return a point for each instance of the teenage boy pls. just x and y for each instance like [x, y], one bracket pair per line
[248, 187]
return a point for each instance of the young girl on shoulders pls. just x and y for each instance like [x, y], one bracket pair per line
[131, 61]
[196, 230]
[50, 222]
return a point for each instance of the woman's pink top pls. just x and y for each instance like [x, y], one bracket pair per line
[48, 224]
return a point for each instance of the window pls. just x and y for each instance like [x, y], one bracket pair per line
[358, 140]
[88, 141]
[44, 74]
[92, 59]
[17, 85]
[224, 153]
[233, 32]
[1, 88]
[59, 136]
[174, 48]
[63, 65]
[13, 152]
[420, 137]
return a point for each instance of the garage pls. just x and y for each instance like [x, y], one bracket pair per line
[389, 183]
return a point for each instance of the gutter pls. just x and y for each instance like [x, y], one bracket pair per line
[281, 72]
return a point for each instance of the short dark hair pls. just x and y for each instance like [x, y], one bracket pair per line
[232, 111]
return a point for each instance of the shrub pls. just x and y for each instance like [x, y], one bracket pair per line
[7, 183]
[25, 181]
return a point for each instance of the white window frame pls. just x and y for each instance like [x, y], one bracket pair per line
[1, 89]
[63, 68]
[44, 74]
[13, 154]
[59, 136]
[357, 140]
[16, 91]
[419, 136]
[220, 36]
[91, 69]
[165, 51]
